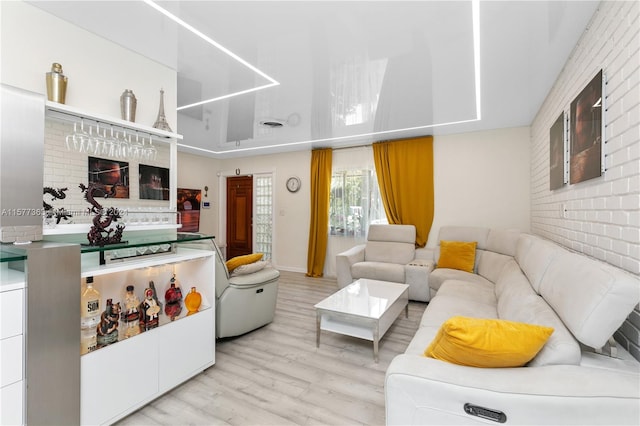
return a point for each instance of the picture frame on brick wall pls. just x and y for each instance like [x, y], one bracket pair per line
[154, 182]
[586, 135]
[557, 151]
[114, 175]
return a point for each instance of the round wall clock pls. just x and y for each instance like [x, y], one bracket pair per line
[293, 184]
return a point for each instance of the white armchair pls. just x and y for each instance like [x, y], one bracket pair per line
[388, 255]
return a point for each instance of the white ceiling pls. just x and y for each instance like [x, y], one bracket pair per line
[341, 73]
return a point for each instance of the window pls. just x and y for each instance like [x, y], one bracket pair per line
[263, 214]
[354, 203]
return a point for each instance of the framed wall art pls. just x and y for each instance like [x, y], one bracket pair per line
[114, 175]
[189, 207]
[557, 150]
[585, 136]
[154, 182]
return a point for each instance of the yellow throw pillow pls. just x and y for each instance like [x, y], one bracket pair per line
[457, 255]
[492, 343]
[246, 259]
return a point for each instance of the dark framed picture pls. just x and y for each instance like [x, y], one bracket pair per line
[586, 118]
[114, 175]
[556, 154]
[154, 182]
[188, 204]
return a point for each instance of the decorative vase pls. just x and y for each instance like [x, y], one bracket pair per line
[161, 121]
[128, 103]
[193, 301]
[56, 84]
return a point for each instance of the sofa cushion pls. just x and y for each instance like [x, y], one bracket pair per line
[517, 301]
[534, 256]
[511, 285]
[441, 308]
[503, 241]
[378, 271]
[482, 291]
[592, 298]
[490, 264]
[491, 343]
[440, 275]
[457, 255]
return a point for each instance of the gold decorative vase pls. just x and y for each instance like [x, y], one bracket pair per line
[56, 84]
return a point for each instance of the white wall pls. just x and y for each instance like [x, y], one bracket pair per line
[603, 218]
[291, 210]
[98, 70]
[481, 179]
[603, 214]
[196, 172]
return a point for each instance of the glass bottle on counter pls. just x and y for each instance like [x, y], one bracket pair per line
[89, 317]
[192, 301]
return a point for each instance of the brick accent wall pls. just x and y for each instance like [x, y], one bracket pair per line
[67, 169]
[602, 218]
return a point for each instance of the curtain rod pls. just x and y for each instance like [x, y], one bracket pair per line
[371, 144]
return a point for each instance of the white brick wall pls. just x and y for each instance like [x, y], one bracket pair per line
[65, 168]
[602, 214]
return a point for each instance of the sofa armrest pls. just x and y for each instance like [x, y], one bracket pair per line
[421, 390]
[416, 274]
[344, 261]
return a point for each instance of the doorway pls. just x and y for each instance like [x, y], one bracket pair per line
[239, 215]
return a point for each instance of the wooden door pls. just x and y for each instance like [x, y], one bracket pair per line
[239, 215]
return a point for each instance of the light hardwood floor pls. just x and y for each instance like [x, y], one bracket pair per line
[276, 376]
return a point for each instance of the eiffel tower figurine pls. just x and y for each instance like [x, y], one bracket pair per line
[161, 121]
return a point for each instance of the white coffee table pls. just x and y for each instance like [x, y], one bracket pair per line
[364, 309]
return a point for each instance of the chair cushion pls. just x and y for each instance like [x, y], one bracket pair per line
[264, 276]
[250, 268]
[392, 233]
[457, 255]
[382, 271]
[389, 251]
[490, 343]
[234, 262]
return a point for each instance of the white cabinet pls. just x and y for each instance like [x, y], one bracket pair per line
[120, 378]
[12, 288]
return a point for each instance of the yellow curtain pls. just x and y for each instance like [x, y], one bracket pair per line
[405, 177]
[320, 193]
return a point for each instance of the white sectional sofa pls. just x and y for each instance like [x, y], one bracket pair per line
[520, 277]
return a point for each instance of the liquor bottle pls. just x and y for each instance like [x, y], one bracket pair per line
[192, 301]
[172, 299]
[89, 317]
